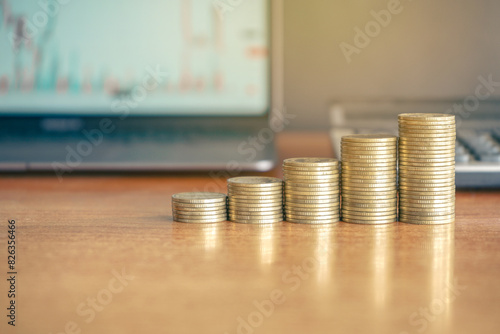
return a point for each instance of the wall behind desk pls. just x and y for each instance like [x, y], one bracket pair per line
[431, 49]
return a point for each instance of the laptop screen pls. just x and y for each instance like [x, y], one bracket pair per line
[140, 57]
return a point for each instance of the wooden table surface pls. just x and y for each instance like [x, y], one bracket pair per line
[100, 254]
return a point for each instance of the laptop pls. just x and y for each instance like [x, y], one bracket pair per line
[101, 85]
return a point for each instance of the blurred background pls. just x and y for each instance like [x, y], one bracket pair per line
[431, 49]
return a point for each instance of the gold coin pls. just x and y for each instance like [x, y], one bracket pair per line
[322, 191]
[392, 217]
[311, 174]
[427, 154]
[426, 141]
[310, 206]
[367, 188]
[363, 213]
[426, 150]
[199, 207]
[349, 208]
[427, 182]
[415, 129]
[348, 180]
[255, 181]
[313, 222]
[311, 185]
[293, 197]
[200, 221]
[311, 169]
[362, 138]
[357, 168]
[376, 196]
[199, 197]
[429, 127]
[312, 213]
[295, 189]
[299, 217]
[430, 176]
[425, 203]
[381, 177]
[363, 162]
[437, 188]
[410, 134]
[261, 203]
[367, 222]
[428, 211]
[277, 192]
[185, 214]
[240, 211]
[307, 200]
[426, 164]
[235, 216]
[306, 178]
[257, 208]
[377, 156]
[427, 170]
[312, 182]
[254, 204]
[292, 194]
[369, 205]
[368, 166]
[257, 222]
[369, 149]
[424, 222]
[255, 197]
[425, 160]
[311, 162]
[447, 197]
[404, 217]
[434, 117]
[200, 213]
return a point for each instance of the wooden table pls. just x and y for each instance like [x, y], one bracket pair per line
[100, 254]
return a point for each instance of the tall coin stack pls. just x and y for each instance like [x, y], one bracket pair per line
[255, 200]
[311, 190]
[369, 179]
[427, 168]
[199, 207]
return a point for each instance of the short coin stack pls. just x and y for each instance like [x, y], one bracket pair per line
[199, 207]
[369, 176]
[311, 190]
[255, 200]
[427, 168]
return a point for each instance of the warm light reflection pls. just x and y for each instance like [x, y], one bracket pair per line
[439, 244]
[211, 234]
[267, 241]
[324, 251]
[382, 254]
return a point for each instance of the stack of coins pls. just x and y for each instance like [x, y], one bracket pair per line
[199, 207]
[427, 168]
[255, 200]
[311, 190]
[369, 179]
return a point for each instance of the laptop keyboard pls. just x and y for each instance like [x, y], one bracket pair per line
[484, 147]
